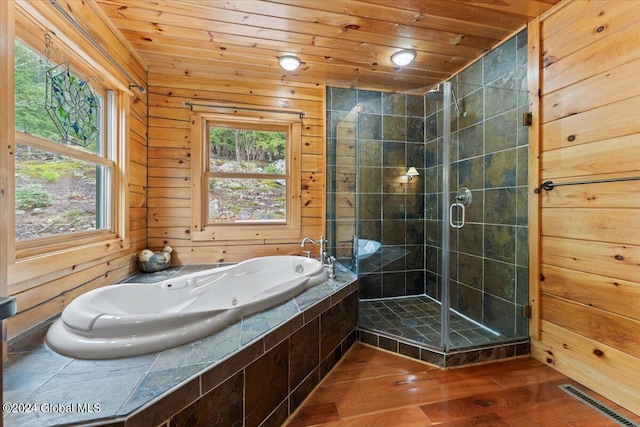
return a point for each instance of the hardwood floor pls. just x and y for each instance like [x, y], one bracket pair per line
[370, 387]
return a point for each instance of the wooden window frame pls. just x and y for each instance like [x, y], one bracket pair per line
[35, 261]
[200, 230]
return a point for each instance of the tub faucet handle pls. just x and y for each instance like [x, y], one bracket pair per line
[331, 263]
[307, 253]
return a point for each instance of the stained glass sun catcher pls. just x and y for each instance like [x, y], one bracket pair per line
[72, 105]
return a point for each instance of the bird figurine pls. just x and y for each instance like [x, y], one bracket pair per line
[155, 261]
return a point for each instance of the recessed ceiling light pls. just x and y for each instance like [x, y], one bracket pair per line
[289, 62]
[403, 57]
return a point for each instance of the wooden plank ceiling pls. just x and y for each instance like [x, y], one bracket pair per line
[345, 43]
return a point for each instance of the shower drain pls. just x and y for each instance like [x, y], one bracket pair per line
[603, 409]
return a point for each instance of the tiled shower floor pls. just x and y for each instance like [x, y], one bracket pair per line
[417, 318]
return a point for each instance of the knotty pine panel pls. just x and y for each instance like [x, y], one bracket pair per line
[621, 225]
[43, 302]
[176, 98]
[137, 200]
[167, 162]
[593, 27]
[137, 213]
[60, 285]
[606, 122]
[167, 222]
[601, 367]
[168, 202]
[169, 212]
[137, 174]
[590, 233]
[170, 153]
[167, 172]
[312, 144]
[198, 87]
[558, 18]
[312, 179]
[166, 114]
[169, 193]
[614, 155]
[312, 163]
[599, 291]
[137, 151]
[615, 260]
[620, 332]
[161, 235]
[233, 253]
[604, 53]
[602, 89]
[406, 13]
[172, 135]
[175, 182]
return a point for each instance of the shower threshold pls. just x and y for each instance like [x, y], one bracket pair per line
[411, 326]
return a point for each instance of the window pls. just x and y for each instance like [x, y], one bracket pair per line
[67, 147]
[248, 185]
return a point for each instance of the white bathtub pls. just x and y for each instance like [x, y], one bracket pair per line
[132, 318]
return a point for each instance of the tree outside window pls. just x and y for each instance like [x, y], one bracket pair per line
[63, 186]
[247, 176]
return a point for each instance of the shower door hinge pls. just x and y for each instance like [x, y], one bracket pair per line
[526, 311]
[527, 119]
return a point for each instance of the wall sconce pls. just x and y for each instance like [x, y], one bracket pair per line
[411, 173]
[403, 57]
[289, 62]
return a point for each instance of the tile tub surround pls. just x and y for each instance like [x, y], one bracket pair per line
[255, 372]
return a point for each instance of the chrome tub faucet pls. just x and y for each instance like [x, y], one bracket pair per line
[327, 261]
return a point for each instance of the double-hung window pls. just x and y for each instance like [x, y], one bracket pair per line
[69, 140]
[246, 177]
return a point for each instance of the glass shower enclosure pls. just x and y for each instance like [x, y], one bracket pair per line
[442, 256]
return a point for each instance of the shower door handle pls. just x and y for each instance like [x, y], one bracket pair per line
[460, 223]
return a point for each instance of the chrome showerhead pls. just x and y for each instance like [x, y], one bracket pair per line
[437, 94]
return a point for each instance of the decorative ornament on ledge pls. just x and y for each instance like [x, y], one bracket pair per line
[150, 261]
[72, 106]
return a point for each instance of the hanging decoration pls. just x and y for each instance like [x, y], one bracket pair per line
[71, 104]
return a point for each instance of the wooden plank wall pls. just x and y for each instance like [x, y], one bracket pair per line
[53, 290]
[590, 234]
[169, 215]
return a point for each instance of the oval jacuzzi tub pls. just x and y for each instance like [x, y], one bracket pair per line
[131, 319]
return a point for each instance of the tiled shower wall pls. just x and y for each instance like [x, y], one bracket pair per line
[489, 155]
[391, 138]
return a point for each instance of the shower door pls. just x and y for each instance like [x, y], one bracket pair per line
[343, 182]
[484, 211]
